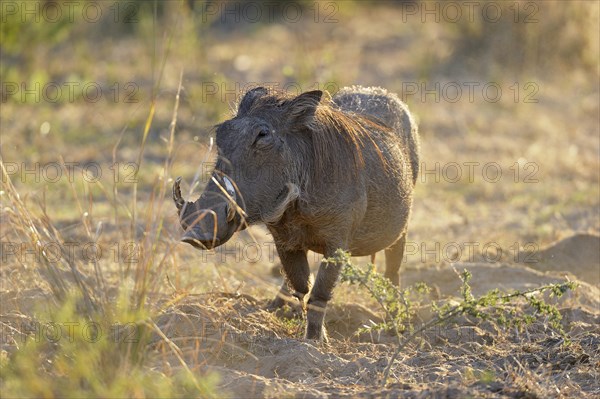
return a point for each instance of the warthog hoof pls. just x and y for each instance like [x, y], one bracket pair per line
[276, 303]
[286, 306]
[315, 317]
[317, 334]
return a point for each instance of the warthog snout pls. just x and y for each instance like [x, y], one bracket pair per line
[211, 220]
[196, 237]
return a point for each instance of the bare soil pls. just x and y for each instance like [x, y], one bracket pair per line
[257, 356]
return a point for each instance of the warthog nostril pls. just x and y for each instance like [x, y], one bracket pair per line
[197, 239]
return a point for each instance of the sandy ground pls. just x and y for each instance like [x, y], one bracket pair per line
[256, 357]
[257, 353]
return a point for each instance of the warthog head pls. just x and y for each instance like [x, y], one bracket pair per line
[258, 169]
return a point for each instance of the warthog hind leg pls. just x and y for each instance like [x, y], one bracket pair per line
[393, 260]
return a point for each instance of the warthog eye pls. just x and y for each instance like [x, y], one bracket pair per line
[263, 132]
[264, 137]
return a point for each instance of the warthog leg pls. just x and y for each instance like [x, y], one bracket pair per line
[287, 296]
[283, 296]
[393, 260]
[326, 279]
[297, 273]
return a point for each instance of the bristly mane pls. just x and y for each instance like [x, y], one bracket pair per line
[336, 129]
[338, 139]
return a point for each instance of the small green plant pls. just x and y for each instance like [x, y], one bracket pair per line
[490, 306]
[294, 325]
[485, 376]
[396, 303]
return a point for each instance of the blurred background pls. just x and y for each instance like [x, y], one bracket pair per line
[513, 85]
[103, 104]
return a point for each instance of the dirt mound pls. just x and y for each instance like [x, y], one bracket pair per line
[578, 255]
[236, 384]
[344, 320]
[258, 354]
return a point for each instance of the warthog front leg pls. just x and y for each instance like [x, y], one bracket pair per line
[326, 280]
[284, 295]
[297, 274]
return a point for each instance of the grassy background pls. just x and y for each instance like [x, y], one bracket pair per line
[542, 55]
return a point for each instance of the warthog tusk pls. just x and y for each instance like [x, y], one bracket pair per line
[229, 188]
[179, 202]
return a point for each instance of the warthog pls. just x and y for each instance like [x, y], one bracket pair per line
[320, 174]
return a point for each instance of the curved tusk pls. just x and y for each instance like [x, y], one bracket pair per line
[179, 202]
[229, 188]
[230, 212]
[231, 204]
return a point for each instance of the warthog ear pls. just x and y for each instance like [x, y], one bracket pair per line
[303, 107]
[249, 99]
